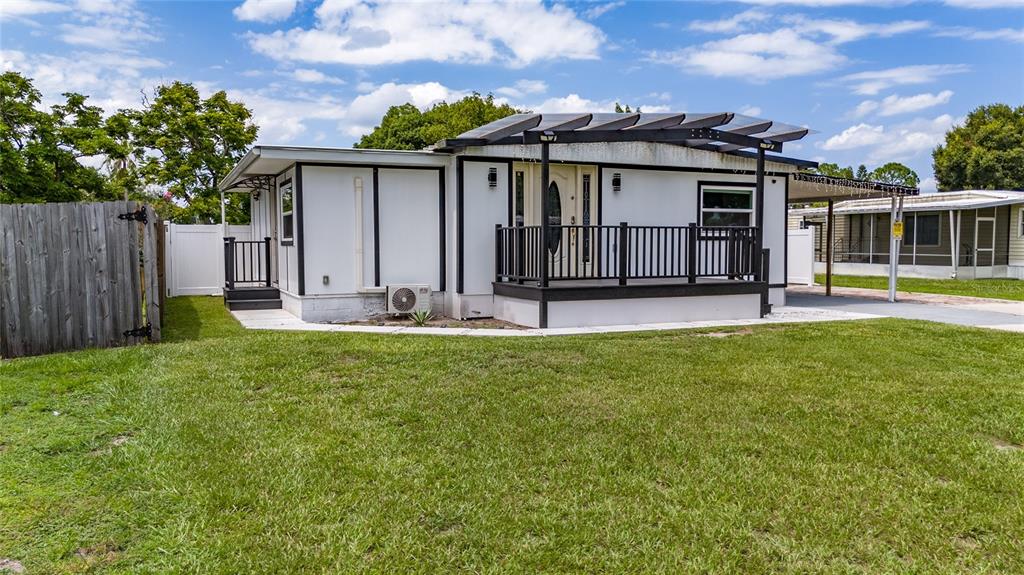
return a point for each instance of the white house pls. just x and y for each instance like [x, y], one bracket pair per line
[652, 218]
[967, 234]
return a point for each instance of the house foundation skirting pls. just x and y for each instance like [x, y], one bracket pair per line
[922, 271]
[343, 307]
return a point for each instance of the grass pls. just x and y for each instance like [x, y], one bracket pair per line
[989, 288]
[883, 446]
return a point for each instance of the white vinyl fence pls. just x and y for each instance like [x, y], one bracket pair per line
[800, 257]
[195, 257]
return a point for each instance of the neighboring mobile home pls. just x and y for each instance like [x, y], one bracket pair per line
[652, 218]
[982, 231]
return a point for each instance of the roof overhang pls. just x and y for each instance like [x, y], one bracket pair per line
[938, 202]
[273, 160]
[807, 187]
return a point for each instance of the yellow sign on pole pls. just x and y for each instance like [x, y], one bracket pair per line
[897, 229]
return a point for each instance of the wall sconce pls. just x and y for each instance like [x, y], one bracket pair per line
[616, 182]
[492, 178]
[547, 136]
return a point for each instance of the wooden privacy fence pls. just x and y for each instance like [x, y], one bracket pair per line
[79, 275]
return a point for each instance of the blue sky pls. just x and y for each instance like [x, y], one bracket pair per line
[879, 80]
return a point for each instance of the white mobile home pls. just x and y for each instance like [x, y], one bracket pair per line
[967, 234]
[651, 218]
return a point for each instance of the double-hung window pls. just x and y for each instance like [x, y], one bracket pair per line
[726, 206]
[287, 212]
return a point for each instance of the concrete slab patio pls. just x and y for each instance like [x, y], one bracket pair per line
[276, 319]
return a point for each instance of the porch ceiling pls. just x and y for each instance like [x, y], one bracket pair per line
[724, 132]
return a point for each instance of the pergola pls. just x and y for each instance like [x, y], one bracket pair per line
[808, 188]
[722, 132]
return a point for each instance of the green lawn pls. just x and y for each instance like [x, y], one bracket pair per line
[883, 446]
[991, 288]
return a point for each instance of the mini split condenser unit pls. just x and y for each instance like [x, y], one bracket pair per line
[408, 298]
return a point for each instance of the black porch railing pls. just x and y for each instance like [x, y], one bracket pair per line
[246, 263]
[626, 252]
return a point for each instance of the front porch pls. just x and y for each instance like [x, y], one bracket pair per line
[583, 275]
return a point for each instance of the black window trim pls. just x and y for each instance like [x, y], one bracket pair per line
[286, 241]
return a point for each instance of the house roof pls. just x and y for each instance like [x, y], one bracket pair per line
[963, 200]
[719, 132]
[807, 187]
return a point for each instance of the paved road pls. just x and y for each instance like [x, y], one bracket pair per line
[945, 313]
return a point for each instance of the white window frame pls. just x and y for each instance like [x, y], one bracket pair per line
[288, 186]
[938, 242]
[729, 188]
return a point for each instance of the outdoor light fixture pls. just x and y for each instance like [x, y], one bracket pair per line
[547, 136]
[766, 145]
[492, 178]
[616, 182]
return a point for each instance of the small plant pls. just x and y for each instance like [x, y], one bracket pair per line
[420, 317]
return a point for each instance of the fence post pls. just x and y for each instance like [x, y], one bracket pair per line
[623, 253]
[691, 252]
[520, 237]
[229, 262]
[266, 253]
[498, 268]
[766, 259]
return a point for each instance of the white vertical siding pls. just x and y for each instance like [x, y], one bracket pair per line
[484, 208]
[1016, 239]
[409, 227]
[329, 228]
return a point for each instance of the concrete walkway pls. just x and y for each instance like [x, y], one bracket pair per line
[276, 319]
[959, 310]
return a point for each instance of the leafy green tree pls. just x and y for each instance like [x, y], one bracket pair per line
[985, 152]
[187, 144]
[405, 127]
[827, 169]
[40, 151]
[894, 173]
[625, 109]
[862, 173]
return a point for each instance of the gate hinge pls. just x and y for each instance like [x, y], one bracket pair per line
[138, 215]
[144, 331]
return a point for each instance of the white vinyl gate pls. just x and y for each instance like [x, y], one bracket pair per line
[195, 257]
[800, 257]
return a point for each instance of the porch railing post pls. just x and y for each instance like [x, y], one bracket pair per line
[229, 262]
[623, 253]
[498, 267]
[766, 260]
[266, 256]
[691, 252]
[520, 237]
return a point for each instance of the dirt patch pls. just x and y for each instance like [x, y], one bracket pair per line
[120, 440]
[11, 566]
[105, 552]
[744, 331]
[1004, 445]
[405, 321]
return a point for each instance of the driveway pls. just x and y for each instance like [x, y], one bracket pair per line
[976, 312]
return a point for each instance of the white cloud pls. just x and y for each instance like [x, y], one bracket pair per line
[522, 88]
[749, 110]
[843, 31]
[107, 25]
[575, 103]
[367, 109]
[265, 10]
[872, 82]
[894, 105]
[900, 142]
[928, 185]
[834, 3]
[864, 108]
[986, 3]
[358, 33]
[602, 9]
[311, 76]
[1009, 34]
[757, 57]
[10, 9]
[286, 120]
[855, 137]
[729, 25]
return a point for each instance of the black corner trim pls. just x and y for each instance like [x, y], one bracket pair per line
[376, 227]
[442, 284]
[511, 208]
[299, 228]
[459, 225]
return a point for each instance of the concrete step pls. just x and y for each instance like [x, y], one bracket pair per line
[240, 304]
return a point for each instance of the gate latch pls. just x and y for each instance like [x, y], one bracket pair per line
[144, 331]
[138, 215]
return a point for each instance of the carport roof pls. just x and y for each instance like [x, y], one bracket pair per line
[808, 187]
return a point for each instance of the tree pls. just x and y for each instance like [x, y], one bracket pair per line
[986, 152]
[894, 173]
[862, 173]
[827, 169]
[187, 144]
[40, 151]
[405, 127]
[625, 109]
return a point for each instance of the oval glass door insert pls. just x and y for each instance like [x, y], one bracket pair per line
[554, 218]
